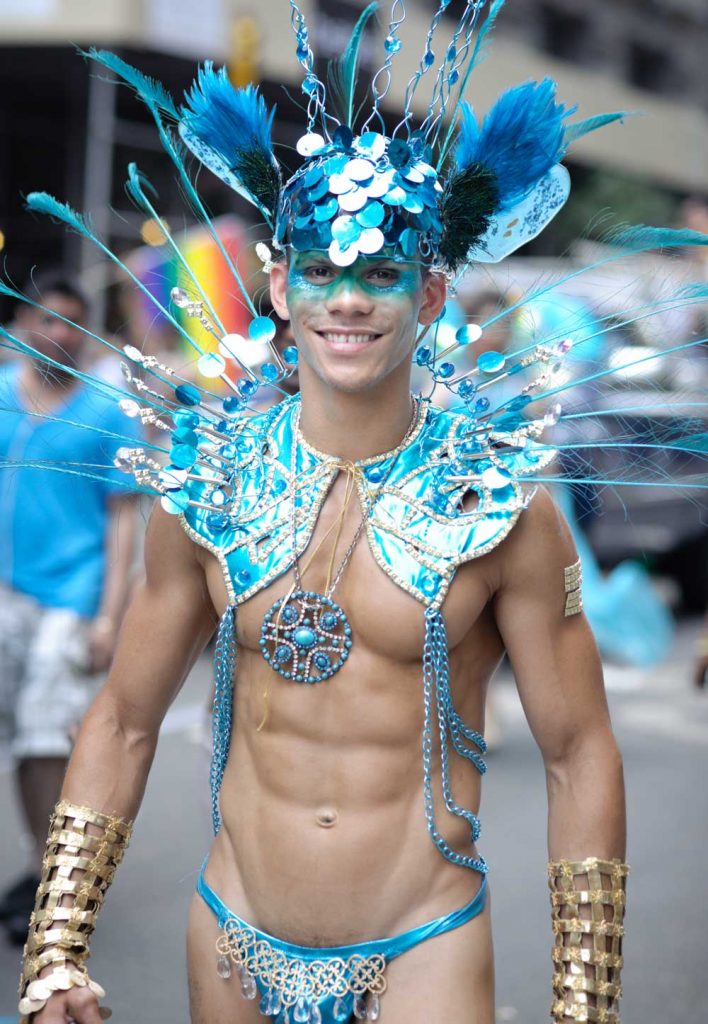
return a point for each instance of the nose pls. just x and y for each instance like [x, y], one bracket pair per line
[348, 299]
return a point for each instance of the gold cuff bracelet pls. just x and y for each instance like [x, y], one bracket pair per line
[587, 910]
[65, 910]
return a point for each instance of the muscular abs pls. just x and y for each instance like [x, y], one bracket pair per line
[324, 839]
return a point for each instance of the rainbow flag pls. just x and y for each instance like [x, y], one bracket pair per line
[159, 270]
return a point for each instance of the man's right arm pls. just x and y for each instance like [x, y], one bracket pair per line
[167, 625]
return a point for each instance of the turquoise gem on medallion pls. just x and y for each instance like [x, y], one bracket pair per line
[305, 637]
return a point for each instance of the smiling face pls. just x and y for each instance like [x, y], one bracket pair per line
[355, 326]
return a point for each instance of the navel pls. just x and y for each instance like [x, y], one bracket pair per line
[327, 817]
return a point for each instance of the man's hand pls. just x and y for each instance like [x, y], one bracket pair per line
[101, 643]
[78, 1004]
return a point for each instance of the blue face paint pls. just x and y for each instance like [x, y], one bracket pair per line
[312, 275]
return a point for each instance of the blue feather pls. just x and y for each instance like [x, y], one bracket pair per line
[42, 202]
[151, 92]
[573, 132]
[227, 120]
[521, 139]
[342, 73]
[642, 237]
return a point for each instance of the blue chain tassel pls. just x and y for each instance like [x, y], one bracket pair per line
[439, 708]
[222, 709]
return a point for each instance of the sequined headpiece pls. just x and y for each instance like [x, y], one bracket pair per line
[447, 192]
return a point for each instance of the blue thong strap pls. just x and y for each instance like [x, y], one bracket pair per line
[316, 984]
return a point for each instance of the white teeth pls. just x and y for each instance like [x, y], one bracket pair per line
[348, 339]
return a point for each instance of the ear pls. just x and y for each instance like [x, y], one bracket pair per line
[278, 288]
[434, 295]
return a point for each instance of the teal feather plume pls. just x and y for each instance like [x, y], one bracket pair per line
[151, 92]
[42, 202]
[643, 238]
[573, 132]
[234, 125]
[342, 73]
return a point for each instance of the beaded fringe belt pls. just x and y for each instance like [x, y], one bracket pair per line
[293, 984]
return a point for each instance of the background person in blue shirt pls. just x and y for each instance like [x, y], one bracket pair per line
[66, 550]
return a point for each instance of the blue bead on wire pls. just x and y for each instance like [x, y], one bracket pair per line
[222, 709]
[438, 706]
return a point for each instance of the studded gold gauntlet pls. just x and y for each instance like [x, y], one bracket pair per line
[587, 908]
[66, 907]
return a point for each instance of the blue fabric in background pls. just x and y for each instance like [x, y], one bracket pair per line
[52, 523]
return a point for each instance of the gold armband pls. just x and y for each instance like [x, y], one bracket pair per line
[573, 581]
[587, 909]
[64, 915]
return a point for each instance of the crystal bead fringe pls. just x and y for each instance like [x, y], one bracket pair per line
[222, 709]
[438, 705]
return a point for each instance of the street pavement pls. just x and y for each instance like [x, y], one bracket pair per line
[662, 726]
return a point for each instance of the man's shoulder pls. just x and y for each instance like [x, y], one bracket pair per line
[540, 546]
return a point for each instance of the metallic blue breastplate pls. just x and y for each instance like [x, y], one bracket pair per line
[445, 498]
[449, 495]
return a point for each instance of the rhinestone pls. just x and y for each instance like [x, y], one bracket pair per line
[229, 345]
[374, 1008]
[129, 407]
[491, 362]
[340, 1011]
[187, 394]
[360, 1007]
[261, 329]
[211, 364]
[133, 353]
[468, 334]
[223, 967]
[180, 298]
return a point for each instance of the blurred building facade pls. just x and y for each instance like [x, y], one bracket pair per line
[65, 130]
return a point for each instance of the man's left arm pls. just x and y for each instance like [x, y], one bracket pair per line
[559, 678]
[121, 530]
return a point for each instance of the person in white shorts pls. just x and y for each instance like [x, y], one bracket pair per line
[66, 545]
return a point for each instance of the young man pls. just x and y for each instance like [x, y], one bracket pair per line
[66, 545]
[368, 559]
[323, 842]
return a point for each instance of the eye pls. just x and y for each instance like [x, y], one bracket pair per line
[318, 272]
[383, 275]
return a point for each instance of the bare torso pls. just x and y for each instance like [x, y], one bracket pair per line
[324, 839]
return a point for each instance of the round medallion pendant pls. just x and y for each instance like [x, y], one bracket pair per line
[305, 638]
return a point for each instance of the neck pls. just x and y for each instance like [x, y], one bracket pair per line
[356, 426]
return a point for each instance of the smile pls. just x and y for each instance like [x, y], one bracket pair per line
[348, 337]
